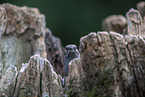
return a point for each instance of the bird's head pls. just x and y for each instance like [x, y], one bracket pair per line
[71, 51]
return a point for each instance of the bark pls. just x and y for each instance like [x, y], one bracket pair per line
[116, 23]
[54, 51]
[37, 78]
[21, 31]
[116, 67]
[22, 35]
[110, 64]
[7, 82]
[113, 64]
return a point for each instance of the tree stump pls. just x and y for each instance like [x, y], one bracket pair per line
[111, 64]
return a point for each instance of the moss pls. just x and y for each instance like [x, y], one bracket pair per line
[102, 87]
[73, 89]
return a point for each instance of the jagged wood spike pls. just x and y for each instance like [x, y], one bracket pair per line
[134, 22]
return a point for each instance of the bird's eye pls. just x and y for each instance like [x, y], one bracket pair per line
[75, 47]
[67, 49]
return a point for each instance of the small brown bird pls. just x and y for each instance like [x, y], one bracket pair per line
[71, 52]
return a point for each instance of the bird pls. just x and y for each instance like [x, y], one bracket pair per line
[71, 52]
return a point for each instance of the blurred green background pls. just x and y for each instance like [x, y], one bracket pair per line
[71, 19]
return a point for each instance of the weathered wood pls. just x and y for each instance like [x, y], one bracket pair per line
[21, 28]
[135, 21]
[110, 64]
[141, 8]
[37, 78]
[54, 51]
[116, 67]
[116, 23]
[7, 82]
